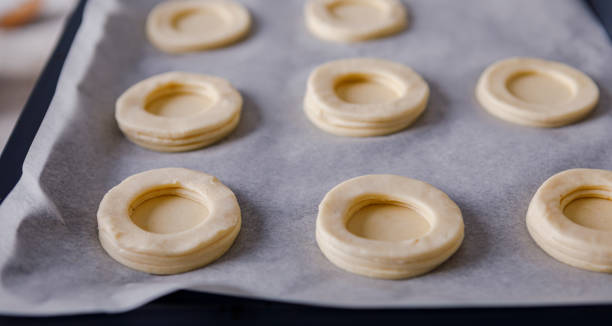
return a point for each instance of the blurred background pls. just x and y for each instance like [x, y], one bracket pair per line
[29, 30]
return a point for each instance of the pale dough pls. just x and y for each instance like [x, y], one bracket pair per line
[153, 214]
[570, 217]
[178, 111]
[191, 25]
[536, 92]
[388, 226]
[364, 97]
[594, 213]
[168, 221]
[387, 222]
[354, 20]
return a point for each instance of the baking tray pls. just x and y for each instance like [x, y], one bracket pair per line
[26, 128]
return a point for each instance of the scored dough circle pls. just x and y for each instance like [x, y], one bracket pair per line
[493, 94]
[559, 236]
[177, 133]
[322, 22]
[171, 252]
[327, 110]
[162, 33]
[388, 259]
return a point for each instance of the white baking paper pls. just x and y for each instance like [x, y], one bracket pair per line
[280, 166]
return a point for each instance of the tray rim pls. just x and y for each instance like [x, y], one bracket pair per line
[35, 109]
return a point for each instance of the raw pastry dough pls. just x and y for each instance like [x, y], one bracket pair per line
[354, 20]
[178, 111]
[536, 92]
[364, 97]
[388, 226]
[191, 25]
[573, 237]
[192, 220]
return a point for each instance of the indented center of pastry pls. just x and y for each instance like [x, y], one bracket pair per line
[387, 222]
[366, 89]
[199, 21]
[167, 211]
[539, 88]
[591, 212]
[362, 12]
[178, 101]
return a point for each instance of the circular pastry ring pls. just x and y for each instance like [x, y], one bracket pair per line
[172, 252]
[187, 143]
[387, 259]
[183, 132]
[494, 95]
[326, 109]
[163, 33]
[559, 236]
[322, 21]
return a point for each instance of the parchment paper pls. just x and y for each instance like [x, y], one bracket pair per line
[280, 166]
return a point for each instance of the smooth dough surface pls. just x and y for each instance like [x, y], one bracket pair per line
[364, 97]
[388, 226]
[570, 217]
[594, 213]
[178, 111]
[191, 25]
[536, 92]
[354, 20]
[539, 88]
[168, 214]
[179, 104]
[168, 221]
[387, 223]
[365, 91]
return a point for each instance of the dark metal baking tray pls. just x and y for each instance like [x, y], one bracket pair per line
[188, 307]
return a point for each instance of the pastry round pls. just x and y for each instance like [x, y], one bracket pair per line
[168, 244]
[178, 111]
[191, 25]
[536, 92]
[364, 97]
[584, 243]
[388, 226]
[354, 20]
